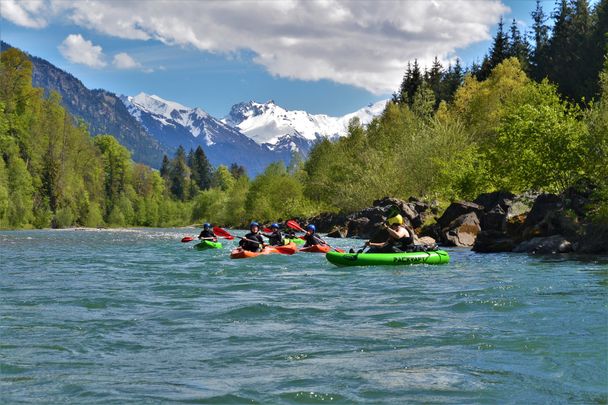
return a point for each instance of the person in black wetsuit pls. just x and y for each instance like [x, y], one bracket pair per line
[311, 237]
[253, 236]
[401, 239]
[207, 233]
[275, 238]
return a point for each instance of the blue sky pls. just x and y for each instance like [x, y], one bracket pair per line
[303, 55]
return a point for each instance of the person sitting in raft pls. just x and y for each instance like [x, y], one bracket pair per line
[255, 242]
[401, 239]
[311, 237]
[275, 238]
[207, 233]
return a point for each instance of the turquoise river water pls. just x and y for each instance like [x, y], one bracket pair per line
[135, 316]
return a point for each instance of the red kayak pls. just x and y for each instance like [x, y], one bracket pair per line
[316, 249]
[288, 249]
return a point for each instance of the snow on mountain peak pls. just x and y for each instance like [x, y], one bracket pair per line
[269, 123]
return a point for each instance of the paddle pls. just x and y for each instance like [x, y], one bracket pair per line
[222, 233]
[267, 230]
[187, 239]
[294, 225]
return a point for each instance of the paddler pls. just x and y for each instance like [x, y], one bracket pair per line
[207, 233]
[311, 237]
[253, 241]
[275, 238]
[400, 238]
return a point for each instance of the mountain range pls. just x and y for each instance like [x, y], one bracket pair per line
[252, 134]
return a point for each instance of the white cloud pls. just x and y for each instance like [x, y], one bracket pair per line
[125, 61]
[76, 49]
[24, 12]
[363, 43]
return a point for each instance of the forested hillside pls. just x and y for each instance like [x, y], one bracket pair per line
[527, 118]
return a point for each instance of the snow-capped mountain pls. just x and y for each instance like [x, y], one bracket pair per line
[173, 124]
[271, 125]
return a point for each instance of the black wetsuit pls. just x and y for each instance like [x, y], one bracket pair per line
[312, 239]
[206, 233]
[396, 245]
[275, 238]
[251, 246]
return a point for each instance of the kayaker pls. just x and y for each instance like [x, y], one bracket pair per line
[207, 233]
[253, 236]
[311, 237]
[400, 239]
[275, 238]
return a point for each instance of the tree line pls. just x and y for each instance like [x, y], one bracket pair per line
[447, 134]
[569, 53]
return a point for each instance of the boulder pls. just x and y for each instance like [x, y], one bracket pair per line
[462, 231]
[544, 245]
[432, 231]
[543, 204]
[594, 240]
[326, 221]
[424, 240]
[489, 201]
[457, 209]
[490, 241]
[494, 219]
[338, 232]
[360, 227]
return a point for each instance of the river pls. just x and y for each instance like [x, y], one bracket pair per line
[135, 316]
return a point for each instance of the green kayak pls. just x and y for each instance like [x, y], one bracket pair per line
[207, 244]
[297, 241]
[387, 259]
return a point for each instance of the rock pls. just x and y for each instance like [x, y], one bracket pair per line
[338, 232]
[594, 240]
[462, 231]
[360, 227]
[432, 231]
[543, 204]
[493, 242]
[578, 197]
[542, 245]
[494, 219]
[457, 209]
[424, 240]
[326, 221]
[489, 201]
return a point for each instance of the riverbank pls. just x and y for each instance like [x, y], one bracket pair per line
[493, 222]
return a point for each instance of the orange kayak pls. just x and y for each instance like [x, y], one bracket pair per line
[316, 249]
[288, 249]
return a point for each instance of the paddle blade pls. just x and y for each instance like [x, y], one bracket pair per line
[294, 225]
[187, 239]
[220, 232]
[267, 230]
[340, 250]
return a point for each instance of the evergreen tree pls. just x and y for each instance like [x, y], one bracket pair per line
[165, 167]
[202, 172]
[237, 170]
[518, 46]
[452, 80]
[498, 52]
[598, 49]
[541, 43]
[180, 175]
[434, 79]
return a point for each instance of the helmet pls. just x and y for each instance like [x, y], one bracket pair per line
[206, 225]
[275, 226]
[397, 219]
[251, 225]
[311, 227]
